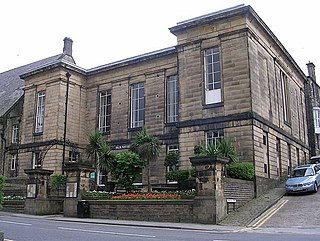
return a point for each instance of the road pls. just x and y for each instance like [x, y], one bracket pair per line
[298, 211]
[41, 229]
[293, 218]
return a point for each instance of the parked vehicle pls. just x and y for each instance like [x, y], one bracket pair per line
[305, 178]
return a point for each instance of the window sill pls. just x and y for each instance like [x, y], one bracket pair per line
[134, 129]
[170, 124]
[37, 133]
[105, 133]
[287, 123]
[215, 105]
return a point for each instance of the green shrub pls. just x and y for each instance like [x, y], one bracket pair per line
[126, 168]
[222, 147]
[172, 159]
[58, 181]
[241, 170]
[198, 150]
[185, 178]
[96, 195]
[178, 175]
[2, 180]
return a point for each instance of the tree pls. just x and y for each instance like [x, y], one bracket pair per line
[125, 168]
[93, 148]
[100, 152]
[148, 148]
[105, 158]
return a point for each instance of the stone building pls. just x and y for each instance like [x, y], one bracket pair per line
[227, 76]
[312, 91]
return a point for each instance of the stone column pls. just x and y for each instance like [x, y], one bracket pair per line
[37, 201]
[210, 203]
[78, 179]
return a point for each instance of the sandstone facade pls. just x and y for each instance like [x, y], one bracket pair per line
[261, 109]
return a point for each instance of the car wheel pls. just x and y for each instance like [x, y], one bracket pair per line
[315, 188]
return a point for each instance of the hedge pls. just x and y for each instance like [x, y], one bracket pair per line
[241, 170]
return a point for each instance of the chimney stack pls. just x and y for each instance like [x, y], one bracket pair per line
[311, 70]
[67, 47]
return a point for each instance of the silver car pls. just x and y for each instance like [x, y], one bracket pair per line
[304, 178]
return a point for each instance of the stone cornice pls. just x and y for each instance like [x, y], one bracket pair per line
[59, 63]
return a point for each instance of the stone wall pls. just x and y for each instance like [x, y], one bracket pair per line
[14, 206]
[158, 211]
[43, 207]
[240, 190]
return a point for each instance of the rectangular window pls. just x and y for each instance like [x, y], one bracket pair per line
[137, 105]
[36, 161]
[285, 97]
[15, 134]
[13, 162]
[104, 111]
[74, 156]
[212, 75]
[173, 148]
[172, 99]
[316, 119]
[212, 136]
[40, 112]
[101, 178]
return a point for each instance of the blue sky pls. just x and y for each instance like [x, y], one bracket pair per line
[107, 31]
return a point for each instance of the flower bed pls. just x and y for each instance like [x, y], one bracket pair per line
[102, 195]
[146, 196]
[13, 198]
[96, 195]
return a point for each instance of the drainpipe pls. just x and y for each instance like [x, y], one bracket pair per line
[68, 75]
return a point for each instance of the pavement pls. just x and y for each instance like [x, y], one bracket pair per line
[246, 214]
[236, 220]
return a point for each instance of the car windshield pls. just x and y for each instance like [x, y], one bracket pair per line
[301, 172]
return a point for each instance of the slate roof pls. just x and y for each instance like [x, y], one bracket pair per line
[11, 86]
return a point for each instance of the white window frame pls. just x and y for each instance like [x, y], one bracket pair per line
[74, 156]
[137, 105]
[104, 117]
[316, 119]
[15, 134]
[172, 99]
[35, 156]
[212, 75]
[13, 162]
[100, 175]
[40, 112]
[212, 136]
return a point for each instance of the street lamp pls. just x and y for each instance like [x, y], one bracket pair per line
[68, 75]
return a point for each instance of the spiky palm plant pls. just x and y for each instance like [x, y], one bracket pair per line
[148, 148]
